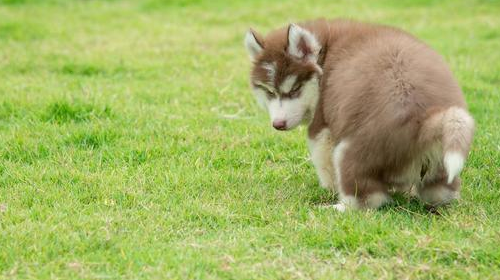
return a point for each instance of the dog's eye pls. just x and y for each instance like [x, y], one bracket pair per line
[296, 87]
[295, 92]
[270, 94]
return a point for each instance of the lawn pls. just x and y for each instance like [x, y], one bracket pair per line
[131, 147]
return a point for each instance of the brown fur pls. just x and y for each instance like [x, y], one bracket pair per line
[383, 90]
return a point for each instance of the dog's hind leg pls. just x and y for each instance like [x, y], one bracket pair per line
[356, 190]
[436, 190]
[453, 129]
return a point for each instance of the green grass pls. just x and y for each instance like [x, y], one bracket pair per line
[118, 158]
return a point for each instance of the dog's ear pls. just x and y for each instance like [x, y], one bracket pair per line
[302, 44]
[254, 44]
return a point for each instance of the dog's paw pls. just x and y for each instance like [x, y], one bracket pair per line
[339, 207]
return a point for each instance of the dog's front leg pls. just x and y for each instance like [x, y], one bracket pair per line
[320, 148]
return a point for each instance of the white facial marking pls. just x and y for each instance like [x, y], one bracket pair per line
[294, 111]
[453, 163]
[261, 97]
[253, 47]
[271, 70]
[287, 84]
[276, 110]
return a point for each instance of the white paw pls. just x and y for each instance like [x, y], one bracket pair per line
[339, 207]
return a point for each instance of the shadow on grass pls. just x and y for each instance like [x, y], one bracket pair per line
[400, 204]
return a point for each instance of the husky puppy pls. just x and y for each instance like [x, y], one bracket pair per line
[383, 110]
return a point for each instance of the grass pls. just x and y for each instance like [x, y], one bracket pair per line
[131, 147]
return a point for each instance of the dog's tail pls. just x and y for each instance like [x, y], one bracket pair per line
[454, 128]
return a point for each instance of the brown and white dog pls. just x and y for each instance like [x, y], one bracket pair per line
[383, 110]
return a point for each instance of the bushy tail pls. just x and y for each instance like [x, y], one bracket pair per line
[455, 128]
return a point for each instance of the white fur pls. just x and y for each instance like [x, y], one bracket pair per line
[288, 83]
[289, 110]
[261, 97]
[253, 47]
[457, 127]
[339, 207]
[453, 163]
[345, 203]
[295, 34]
[320, 149]
[295, 110]
[373, 201]
[438, 195]
[338, 157]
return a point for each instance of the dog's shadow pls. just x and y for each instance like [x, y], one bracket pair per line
[400, 203]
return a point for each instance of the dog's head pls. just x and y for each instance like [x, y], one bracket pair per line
[285, 74]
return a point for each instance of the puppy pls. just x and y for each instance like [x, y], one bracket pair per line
[383, 110]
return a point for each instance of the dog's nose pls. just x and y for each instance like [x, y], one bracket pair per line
[279, 124]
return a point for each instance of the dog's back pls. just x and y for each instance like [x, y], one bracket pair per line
[396, 104]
